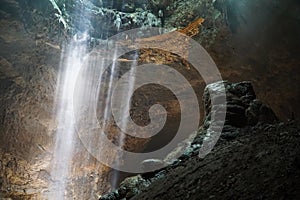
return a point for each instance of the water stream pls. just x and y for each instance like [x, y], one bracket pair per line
[75, 90]
[64, 143]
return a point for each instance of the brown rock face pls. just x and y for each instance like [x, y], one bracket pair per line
[27, 87]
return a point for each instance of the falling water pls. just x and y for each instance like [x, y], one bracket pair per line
[107, 108]
[64, 144]
[75, 90]
[128, 88]
[71, 63]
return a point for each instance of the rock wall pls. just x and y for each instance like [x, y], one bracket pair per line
[32, 45]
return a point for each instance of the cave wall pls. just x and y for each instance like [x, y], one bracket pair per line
[254, 40]
[29, 62]
[262, 44]
[32, 41]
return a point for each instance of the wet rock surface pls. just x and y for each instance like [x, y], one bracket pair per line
[256, 159]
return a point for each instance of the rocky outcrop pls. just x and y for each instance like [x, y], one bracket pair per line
[242, 107]
[244, 113]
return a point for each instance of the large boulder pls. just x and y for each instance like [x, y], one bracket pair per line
[242, 107]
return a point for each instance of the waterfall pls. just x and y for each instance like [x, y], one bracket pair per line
[85, 89]
[64, 141]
